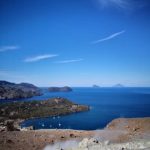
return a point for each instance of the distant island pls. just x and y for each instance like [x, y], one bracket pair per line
[118, 85]
[60, 89]
[96, 86]
[10, 90]
[15, 112]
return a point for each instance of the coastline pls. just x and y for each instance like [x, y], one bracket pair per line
[119, 130]
[13, 114]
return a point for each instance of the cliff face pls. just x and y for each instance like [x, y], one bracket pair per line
[60, 89]
[10, 90]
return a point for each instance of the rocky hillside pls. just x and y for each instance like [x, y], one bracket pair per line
[10, 90]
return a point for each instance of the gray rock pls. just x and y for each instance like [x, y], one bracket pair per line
[10, 90]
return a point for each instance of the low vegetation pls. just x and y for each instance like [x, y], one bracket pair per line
[44, 108]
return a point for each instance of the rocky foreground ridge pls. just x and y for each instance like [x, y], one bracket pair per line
[94, 144]
[120, 134]
[10, 90]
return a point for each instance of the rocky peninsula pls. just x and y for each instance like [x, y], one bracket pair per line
[10, 90]
[60, 89]
[12, 112]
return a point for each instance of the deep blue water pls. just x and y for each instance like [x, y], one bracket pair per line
[106, 104]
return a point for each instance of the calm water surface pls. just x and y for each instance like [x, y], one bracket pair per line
[106, 104]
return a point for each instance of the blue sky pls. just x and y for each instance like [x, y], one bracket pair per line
[75, 42]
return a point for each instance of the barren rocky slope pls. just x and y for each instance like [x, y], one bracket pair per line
[120, 134]
[10, 90]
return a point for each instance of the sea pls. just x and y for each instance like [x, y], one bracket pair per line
[105, 105]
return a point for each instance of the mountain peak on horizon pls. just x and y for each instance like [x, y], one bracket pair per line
[118, 85]
[95, 86]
